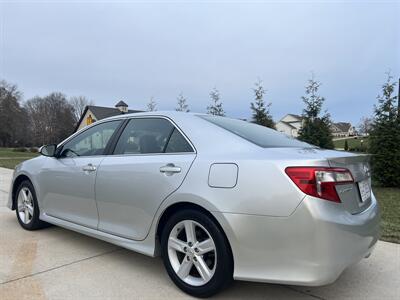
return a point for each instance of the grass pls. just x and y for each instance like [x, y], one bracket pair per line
[389, 201]
[353, 142]
[9, 158]
[10, 153]
[11, 163]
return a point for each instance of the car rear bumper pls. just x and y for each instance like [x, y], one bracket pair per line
[311, 247]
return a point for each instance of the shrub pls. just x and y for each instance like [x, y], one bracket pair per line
[33, 149]
[20, 149]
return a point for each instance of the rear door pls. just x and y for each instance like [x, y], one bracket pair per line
[149, 162]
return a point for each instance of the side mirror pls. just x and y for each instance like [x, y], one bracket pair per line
[48, 150]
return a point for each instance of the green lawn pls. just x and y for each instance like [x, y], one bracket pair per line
[9, 158]
[389, 201]
[353, 142]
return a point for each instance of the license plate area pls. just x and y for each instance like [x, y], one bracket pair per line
[365, 190]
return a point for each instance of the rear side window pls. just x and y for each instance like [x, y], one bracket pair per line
[257, 134]
[151, 135]
[177, 143]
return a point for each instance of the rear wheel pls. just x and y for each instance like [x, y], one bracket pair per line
[196, 253]
[27, 208]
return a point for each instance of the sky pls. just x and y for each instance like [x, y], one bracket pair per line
[132, 51]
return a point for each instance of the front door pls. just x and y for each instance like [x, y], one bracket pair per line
[150, 162]
[68, 181]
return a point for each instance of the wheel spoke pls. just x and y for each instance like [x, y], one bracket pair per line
[176, 244]
[30, 209]
[185, 268]
[203, 269]
[190, 232]
[24, 196]
[205, 246]
[20, 207]
[26, 215]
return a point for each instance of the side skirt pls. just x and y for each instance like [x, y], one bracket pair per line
[145, 247]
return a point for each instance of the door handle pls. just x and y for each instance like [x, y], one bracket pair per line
[89, 168]
[169, 169]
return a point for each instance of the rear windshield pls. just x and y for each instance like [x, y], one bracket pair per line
[259, 135]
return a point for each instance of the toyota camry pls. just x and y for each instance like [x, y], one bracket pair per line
[218, 198]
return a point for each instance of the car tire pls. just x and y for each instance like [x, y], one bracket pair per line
[206, 262]
[26, 207]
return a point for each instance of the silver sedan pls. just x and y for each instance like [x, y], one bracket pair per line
[217, 198]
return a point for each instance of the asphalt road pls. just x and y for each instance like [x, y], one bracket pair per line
[55, 263]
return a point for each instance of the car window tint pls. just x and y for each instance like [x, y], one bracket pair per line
[142, 136]
[257, 134]
[177, 143]
[92, 141]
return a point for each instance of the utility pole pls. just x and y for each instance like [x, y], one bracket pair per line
[398, 102]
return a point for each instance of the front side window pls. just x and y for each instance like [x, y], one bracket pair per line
[152, 135]
[91, 142]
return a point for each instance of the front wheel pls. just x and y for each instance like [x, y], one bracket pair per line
[27, 208]
[196, 253]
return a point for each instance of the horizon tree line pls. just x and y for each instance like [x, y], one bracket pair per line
[51, 118]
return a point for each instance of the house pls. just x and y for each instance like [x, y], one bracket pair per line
[342, 129]
[290, 125]
[94, 113]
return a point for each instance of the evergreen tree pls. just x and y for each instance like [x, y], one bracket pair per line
[316, 127]
[215, 108]
[182, 105]
[152, 105]
[346, 145]
[261, 114]
[384, 140]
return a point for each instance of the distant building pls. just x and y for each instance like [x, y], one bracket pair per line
[94, 113]
[343, 129]
[290, 125]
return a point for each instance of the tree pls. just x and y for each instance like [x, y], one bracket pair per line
[346, 145]
[384, 139]
[51, 118]
[79, 104]
[215, 108]
[152, 105]
[365, 125]
[13, 120]
[182, 105]
[261, 114]
[316, 127]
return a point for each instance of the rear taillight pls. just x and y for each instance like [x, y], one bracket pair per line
[319, 182]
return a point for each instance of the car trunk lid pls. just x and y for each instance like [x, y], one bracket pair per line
[357, 164]
[356, 197]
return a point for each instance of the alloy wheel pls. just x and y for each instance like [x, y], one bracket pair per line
[192, 253]
[25, 205]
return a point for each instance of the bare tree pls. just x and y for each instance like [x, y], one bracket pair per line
[51, 118]
[13, 120]
[79, 104]
[365, 125]
[182, 104]
[152, 105]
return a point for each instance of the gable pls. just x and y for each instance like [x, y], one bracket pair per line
[291, 118]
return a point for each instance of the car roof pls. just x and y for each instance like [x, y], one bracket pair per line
[204, 135]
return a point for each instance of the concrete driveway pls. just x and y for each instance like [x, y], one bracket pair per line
[55, 263]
